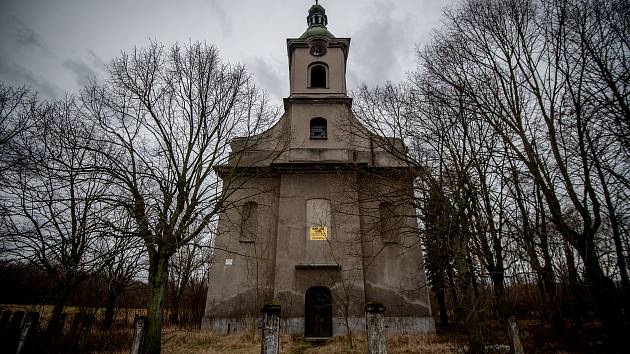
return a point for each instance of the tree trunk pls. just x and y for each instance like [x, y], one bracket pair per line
[441, 298]
[616, 233]
[112, 296]
[498, 285]
[346, 314]
[174, 320]
[575, 294]
[603, 294]
[469, 300]
[55, 319]
[158, 278]
[550, 295]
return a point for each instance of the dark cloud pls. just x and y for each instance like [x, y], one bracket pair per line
[225, 23]
[267, 76]
[51, 40]
[23, 35]
[97, 62]
[15, 74]
[384, 47]
[82, 72]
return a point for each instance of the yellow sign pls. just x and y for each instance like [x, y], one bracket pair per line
[318, 233]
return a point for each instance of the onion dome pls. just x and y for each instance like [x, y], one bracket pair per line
[317, 21]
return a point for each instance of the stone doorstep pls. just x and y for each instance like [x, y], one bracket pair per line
[317, 340]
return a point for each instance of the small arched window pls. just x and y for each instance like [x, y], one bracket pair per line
[318, 76]
[249, 222]
[390, 223]
[319, 128]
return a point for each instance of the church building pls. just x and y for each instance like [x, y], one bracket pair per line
[319, 216]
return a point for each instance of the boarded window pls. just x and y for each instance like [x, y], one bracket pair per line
[318, 219]
[390, 223]
[319, 128]
[318, 76]
[249, 222]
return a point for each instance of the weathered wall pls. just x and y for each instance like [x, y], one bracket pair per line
[241, 273]
[348, 170]
[394, 273]
[340, 247]
[301, 59]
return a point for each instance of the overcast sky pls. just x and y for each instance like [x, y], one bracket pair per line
[54, 45]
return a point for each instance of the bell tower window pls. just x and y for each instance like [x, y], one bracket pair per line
[319, 128]
[318, 76]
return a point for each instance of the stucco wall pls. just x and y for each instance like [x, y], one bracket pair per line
[241, 273]
[354, 174]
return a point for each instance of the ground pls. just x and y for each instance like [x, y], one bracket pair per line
[206, 342]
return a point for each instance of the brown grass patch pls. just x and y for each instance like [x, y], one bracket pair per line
[177, 341]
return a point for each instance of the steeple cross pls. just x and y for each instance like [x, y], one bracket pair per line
[316, 2]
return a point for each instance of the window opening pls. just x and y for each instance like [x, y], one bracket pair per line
[319, 128]
[318, 76]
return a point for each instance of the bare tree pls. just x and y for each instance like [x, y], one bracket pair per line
[167, 116]
[188, 267]
[56, 206]
[18, 108]
[512, 121]
[441, 142]
[528, 69]
[123, 260]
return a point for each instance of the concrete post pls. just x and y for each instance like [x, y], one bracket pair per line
[4, 320]
[515, 339]
[28, 331]
[139, 327]
[4, 326]
[84, 335]
[61, 324]
[376, 328]
[15, 327]
[270, 343]
[73, 333]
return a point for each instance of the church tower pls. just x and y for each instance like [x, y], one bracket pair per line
[320, 218]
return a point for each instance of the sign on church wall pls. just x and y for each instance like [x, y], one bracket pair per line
[318, 219]
[318, 233]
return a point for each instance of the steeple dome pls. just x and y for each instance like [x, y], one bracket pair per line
[317, 21]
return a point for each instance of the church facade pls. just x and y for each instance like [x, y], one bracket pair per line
[322, 218]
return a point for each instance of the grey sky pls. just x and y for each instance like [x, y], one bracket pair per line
[54, 45]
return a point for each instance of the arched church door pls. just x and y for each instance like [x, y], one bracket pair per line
[318, 312]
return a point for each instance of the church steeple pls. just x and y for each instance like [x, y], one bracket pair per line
[317, 22]
[317, 60]
[317, 16]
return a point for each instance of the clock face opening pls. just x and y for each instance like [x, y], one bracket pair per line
[318, 46]
[318, 49]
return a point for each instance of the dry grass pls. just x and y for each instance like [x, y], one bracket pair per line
[176, 341]
[248, 342]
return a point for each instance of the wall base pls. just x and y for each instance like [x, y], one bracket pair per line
[295, 325]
